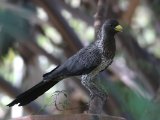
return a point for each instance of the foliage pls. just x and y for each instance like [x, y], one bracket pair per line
[13, 28]
[140, 45]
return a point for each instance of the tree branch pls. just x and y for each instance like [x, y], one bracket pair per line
[60, 24]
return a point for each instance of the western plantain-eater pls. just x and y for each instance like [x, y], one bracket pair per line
[87, 62]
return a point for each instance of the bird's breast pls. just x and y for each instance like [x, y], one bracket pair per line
[104, 64]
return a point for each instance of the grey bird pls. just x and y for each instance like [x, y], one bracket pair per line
[87, 62]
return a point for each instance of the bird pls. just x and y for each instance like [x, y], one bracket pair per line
[88, 62]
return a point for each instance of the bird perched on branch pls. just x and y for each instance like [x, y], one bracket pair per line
[87, 62]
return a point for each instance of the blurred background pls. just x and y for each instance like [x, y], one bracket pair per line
[37, 35]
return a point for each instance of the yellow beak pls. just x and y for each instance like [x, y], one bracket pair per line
[119, 28]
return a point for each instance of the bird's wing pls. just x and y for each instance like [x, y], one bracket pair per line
[83, 62]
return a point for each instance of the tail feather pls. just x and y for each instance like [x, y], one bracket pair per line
[33, 93]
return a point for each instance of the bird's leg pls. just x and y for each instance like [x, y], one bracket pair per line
[92, 86]
[96, 90]
[86, 83]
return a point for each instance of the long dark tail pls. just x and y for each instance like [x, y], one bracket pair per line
[33, 93]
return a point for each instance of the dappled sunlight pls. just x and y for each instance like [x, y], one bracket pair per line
[37, 36]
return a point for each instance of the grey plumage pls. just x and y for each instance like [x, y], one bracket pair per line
[88, 62]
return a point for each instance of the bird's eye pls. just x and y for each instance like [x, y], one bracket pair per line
[111, 25]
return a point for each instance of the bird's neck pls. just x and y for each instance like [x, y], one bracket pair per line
[106, 43]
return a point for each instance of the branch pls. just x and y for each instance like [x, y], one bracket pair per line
[128, 14]
[145, 63]
[76, 12]
[100, 14]
[57, 20]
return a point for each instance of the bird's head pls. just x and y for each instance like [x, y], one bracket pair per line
[111, 26]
